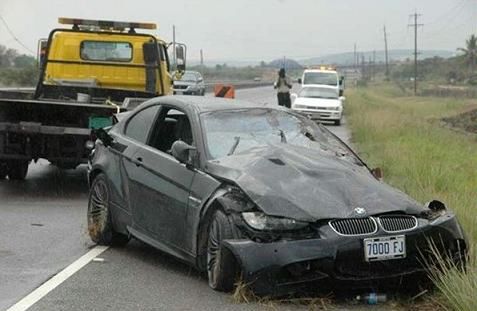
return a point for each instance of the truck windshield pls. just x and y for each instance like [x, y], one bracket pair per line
[317, 92]
[323, 78]
[106, 51]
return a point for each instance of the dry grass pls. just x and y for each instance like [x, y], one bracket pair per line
[426, 161]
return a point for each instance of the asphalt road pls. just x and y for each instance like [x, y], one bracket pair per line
[43, 230]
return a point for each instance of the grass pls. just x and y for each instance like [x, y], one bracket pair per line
[402, 135]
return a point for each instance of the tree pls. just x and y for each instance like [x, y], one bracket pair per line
[470, 52]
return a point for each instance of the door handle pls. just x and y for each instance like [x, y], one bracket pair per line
[138, 161]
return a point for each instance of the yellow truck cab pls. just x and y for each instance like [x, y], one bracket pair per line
[104, 59]
[88, 73]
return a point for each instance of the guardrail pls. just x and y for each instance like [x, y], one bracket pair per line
[25, 92]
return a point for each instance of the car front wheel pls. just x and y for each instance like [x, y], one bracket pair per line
[221, 269]
[100, 226]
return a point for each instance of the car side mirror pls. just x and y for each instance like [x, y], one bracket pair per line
[377, 173]
[183, 152]
[299, 80]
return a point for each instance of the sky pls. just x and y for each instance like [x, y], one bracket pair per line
[255, 30]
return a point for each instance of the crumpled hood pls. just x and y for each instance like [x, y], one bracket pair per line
[309, 185]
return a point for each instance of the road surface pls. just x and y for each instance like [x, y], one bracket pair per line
[43, 230]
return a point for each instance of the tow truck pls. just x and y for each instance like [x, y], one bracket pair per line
[323, 76]
[88, 73]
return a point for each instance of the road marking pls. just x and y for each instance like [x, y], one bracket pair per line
[55, 281]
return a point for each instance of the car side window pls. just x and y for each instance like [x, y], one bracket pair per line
[171, 125]
[140, 124]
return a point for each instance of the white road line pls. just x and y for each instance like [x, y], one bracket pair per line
[55, 281]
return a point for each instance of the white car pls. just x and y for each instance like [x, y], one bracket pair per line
[319, 103]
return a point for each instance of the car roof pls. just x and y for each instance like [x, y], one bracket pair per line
[207, 104]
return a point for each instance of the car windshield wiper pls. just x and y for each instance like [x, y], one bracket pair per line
[234, 146]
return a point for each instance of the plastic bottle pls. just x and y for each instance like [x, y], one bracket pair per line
[372, 298]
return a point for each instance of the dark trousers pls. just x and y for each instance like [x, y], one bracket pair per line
[284, 99]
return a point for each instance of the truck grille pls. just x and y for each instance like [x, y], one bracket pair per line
[354, 226]
[397, 223]
[180, 87]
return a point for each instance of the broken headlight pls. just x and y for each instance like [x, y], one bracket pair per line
[260, 221]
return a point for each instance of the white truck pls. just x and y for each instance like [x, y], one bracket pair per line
[323, 76]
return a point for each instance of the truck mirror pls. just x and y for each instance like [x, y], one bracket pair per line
[299, 80]
[181, 57]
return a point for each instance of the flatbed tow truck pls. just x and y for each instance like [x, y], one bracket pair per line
[88, 73]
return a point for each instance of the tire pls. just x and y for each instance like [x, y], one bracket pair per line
[3, 170]
[17, 170]
[338, 122]
[203, 92]
[100, 225]
[220, 271]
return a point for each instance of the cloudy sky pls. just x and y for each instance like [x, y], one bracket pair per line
[253, 30]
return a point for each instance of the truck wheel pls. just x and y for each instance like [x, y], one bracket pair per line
[3, 171]
[100, 225]
[17, 170]
[220, 271]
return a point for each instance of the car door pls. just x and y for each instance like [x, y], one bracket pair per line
[161, 183]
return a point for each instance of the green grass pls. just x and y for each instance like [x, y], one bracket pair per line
[403, 136]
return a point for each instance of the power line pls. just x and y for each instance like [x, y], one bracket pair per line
[415, 25]
[13, 35]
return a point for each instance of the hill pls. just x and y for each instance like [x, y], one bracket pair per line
[394, 55]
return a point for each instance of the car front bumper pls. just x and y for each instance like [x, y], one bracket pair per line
[331, 115]
[284, 266]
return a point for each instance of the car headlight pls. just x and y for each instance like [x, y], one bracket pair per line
[260, 221]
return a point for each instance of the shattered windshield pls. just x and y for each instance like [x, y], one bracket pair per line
[235, 131]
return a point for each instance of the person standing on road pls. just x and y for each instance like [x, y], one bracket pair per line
[283, 86]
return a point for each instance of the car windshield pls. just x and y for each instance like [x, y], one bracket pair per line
[316, 92]
[235, 131]
[189, 77]
[324, 78]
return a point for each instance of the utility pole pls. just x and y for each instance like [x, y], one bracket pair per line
[415, 25]
[374, 64]
[201, 57]
[355, 60]
[386, 52]
[174, 46]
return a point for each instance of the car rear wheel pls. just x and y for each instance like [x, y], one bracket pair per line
[17, 170]
[221, 269]
[100, 226]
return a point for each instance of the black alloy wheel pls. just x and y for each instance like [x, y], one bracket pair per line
[221, 271]
[17, 170]
[100, 226]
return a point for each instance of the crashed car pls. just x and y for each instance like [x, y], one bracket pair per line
[256, 191]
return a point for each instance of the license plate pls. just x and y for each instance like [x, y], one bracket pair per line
[385, 248]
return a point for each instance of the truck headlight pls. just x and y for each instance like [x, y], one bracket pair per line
[260, 221]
